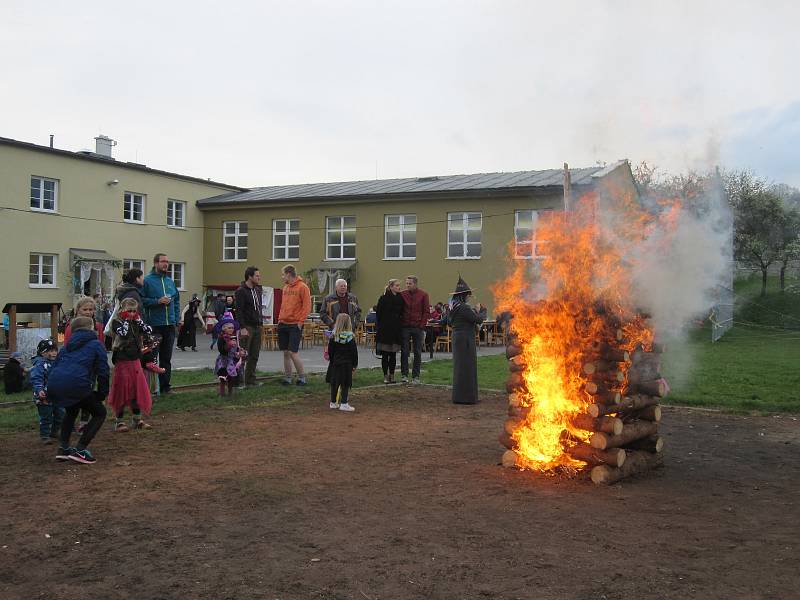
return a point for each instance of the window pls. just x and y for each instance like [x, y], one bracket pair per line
[400, 236]
[44, 194]
[464, 235]
[234, 240]
[176, 213]
[176, 271]
[528, 245]
[42, 270]
[133, 211]
[285, 239]
[341, 237]
[132, 263]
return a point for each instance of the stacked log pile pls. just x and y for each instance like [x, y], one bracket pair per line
[621, 422]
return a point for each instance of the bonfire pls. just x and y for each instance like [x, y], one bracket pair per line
[584, 366]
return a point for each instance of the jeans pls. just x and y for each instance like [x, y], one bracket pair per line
[95, 407]
[416, 335]
[167, 333]
[253, 347]
[50, 417]
[388, 361]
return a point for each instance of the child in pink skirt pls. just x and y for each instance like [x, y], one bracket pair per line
[129, 386]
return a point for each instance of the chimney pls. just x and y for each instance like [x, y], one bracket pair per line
[103, 146]
[51, 139]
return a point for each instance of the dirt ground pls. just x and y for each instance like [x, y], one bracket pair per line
[402, 499]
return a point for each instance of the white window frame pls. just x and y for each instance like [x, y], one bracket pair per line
[181, 279]
[132, 263]
[133, 197]
[40, 276]
[171, 205]
[291, 228]
[532, 241]
[407, 223]
[235, 238]
[336, 225]
[466, 217]
[41, 199]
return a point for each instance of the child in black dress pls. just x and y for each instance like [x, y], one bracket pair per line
[343, 354]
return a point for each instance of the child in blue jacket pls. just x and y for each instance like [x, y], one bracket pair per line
[50, 415]
[71, 386]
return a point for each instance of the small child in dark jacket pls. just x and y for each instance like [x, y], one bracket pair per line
[343, 354]
[50, 415]
[71, 383]
[14, 374]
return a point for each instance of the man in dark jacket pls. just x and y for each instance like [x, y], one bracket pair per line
[338, 302]
[162, 307]
[70, 385]
[415, 318]
[248, 313]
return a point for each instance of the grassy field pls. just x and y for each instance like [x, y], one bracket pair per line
[755, 367]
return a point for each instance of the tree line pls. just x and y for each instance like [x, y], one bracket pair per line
[766, 216]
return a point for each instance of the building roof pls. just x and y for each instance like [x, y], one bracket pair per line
[97, 158]
[375, 189]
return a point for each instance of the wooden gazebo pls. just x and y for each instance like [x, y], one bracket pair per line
[14, 308]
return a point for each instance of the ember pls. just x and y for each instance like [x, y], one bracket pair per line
[585, 376]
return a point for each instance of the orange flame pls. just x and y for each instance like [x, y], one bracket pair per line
[567, 307]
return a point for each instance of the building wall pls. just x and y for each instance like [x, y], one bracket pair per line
[437, 274]
[84, 192]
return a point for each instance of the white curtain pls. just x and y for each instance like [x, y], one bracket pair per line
[86, 273]
[267, 304]
[108, 268]
[322, 280]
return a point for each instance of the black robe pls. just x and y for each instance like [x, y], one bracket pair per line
[465, 355]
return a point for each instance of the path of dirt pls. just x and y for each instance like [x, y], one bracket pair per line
[402, 499]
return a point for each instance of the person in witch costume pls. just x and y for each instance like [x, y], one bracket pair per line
[464, 320]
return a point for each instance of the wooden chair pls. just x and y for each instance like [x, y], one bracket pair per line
[369, 335]
[269, 337]
[307, 339]
[443, 341]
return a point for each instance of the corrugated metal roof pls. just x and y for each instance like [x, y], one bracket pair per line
[417, 185]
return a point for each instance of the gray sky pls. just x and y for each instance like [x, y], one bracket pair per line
[262, 93]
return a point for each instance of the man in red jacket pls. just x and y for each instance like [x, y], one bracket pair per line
[415, 317]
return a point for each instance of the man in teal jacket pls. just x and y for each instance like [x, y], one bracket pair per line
[162, 308]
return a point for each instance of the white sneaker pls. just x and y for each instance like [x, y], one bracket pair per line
[333, 405]
[346, 407]
[415, 381]
[404, 379]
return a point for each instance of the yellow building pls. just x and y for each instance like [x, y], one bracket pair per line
[369, 231]
[71, 221]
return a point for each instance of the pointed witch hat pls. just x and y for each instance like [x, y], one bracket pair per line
[462, 286]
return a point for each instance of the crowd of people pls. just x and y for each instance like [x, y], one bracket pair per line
[72, 387]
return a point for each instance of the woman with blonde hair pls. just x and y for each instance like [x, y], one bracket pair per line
[388, 323]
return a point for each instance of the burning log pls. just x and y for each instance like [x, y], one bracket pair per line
[656, 387]
[598, 365]
[636, 462]
[649, 413]
[514, 399]
[597, 388]
[623, 404]
[616, 355]
[606, 398]
[520, 412]
[630, 431]
[507, 441]
[511, 459]
[652, 443]
[614, 456]
[644, 371]
[610, 377]
[611, 425]
[513, 350]
[516, 367]
[515, 382]
[512, 424]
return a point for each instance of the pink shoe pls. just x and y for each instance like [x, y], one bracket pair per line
[151, 366]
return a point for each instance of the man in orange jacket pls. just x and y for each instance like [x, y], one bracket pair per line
[295, 308]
